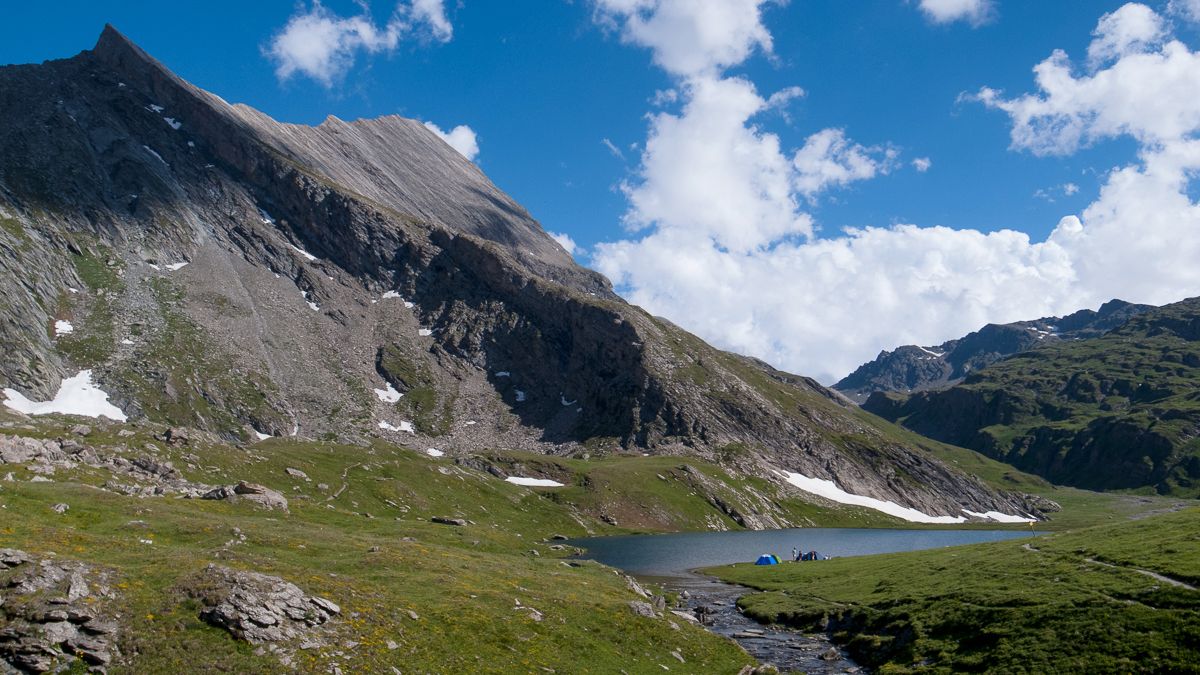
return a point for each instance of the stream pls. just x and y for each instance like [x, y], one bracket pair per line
[670, 560]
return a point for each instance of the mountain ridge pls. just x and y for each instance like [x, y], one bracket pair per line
[913, 368]
[301, 295]
[1111, 412]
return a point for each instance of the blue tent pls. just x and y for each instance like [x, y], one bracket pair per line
[767, 559]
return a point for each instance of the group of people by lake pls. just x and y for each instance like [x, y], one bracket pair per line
[799, 555]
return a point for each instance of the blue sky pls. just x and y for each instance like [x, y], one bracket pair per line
[542, 84]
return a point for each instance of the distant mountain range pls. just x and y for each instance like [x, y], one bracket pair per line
[1118, 411]
[912, 368]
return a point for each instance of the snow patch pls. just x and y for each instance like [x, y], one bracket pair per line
[1000, 517]
[72, 289]
[434, 452]
[173, 123]
[63, 328]
[307, 256]
[266, 218]
[154, 108]
[503, 373]
[311, 305]
[563, 399]
[391, 294]
[404, 426]
[408, 305]
[424, 332]
[156, 155]
[520, 396]
[76, 396]
[126, 341]
[533, 482]
[261, 436]
[829, 490]
[176, 266]
[388, 395]
[936, 355]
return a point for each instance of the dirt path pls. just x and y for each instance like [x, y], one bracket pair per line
[1153, 575]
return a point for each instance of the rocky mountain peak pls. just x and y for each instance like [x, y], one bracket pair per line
[225, 271]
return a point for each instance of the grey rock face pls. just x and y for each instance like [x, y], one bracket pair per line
[260, 608]
[62, 615]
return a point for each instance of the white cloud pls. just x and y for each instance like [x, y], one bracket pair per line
[1149, 93]
[708, 169]
[974, 12]
[690, 38]
[726, 253]
[1133, 27]
[922, 164]
[432, 13]
[462, 138]
[1188, 9]
[616, 152]
[322, 45]
[1050, 194]
[564, 240]
[829, 159]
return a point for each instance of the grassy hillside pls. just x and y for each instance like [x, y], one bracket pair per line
[359, 533]
[1082, 601]
[1120, 411]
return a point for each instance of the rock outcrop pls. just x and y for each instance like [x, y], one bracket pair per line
[252, 492]
[55, 612]
[260, 608]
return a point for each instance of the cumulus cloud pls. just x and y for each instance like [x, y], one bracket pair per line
[727, 252]
[690, 38]
[1188, 9]
[974, 12]
[321, 45]
[829, 159]
[462, 138]
[1148, 92]
[1133, 27]
[708, 169]
[564, 240]
[922, 164]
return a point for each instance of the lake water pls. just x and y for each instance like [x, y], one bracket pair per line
[666, 555]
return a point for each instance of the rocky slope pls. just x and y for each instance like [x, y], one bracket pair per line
[912, 368]
[1117, 411]
[212, 268]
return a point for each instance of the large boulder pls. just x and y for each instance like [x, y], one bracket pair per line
[260, 608]
[253, 492]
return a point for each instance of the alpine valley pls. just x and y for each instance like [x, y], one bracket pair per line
[325, 399]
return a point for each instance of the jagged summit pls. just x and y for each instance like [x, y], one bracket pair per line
[224, 271]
